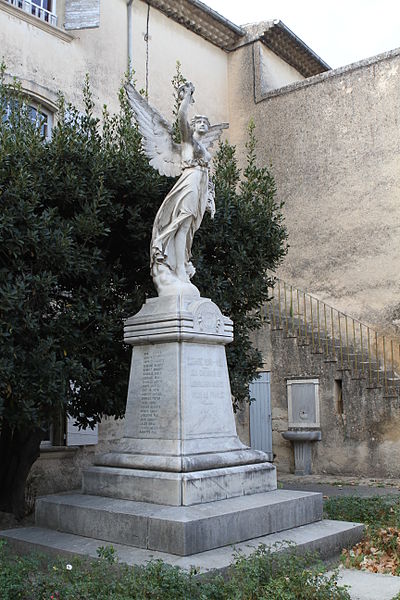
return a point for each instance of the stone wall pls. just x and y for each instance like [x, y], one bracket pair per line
[360, 432]
[60, 468]
[333, 142]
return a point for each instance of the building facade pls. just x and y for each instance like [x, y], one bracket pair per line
[331, 137]
[61, 41]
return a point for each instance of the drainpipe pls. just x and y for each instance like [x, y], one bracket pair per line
[130, 34]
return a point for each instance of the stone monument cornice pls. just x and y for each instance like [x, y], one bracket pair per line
[179, 319]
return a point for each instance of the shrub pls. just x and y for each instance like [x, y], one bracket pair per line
[264, 575]
[379, 551]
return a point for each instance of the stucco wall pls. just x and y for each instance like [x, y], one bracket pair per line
[334, 145]
[50, 62]
[202, 63]
[46, 63]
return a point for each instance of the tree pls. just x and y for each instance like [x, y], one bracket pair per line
[75, 225]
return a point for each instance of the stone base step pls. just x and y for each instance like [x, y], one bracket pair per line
[177, 489]
[182, 530]
[326, 538]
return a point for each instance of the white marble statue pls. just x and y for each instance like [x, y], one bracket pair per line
[182, 211]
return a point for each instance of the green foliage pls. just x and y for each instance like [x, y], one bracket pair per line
[177, 80]
[107, 553]
[377, 511]
[285, 575]
[264, 575]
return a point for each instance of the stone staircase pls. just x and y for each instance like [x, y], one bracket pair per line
[357, 370]
[354, 347]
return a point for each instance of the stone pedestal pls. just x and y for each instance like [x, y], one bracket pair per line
[180, 446]
[181, 484]
[302, 441]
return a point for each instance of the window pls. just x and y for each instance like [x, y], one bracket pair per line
[64, 432]
[55, 433]
[45, 10]
[339, 397]
[38, 115]
[42, 119]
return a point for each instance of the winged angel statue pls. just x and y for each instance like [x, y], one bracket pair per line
[181, 213]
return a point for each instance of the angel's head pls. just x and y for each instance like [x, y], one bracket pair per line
[200, 124]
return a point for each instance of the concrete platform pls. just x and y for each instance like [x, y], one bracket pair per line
[181, 530]
[325, 537]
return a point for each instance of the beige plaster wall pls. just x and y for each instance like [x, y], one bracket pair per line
[274, 72]
[46, 62]
[334, 144]
[49, 63]
[202, 63]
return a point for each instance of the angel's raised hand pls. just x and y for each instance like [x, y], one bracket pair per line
[187, 89]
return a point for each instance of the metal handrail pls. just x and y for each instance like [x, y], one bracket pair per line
[357, 347]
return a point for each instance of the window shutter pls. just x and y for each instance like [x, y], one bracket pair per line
[260, 415]
[81, 437]
[82, 14]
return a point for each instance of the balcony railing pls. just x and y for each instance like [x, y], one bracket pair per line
[36, 10]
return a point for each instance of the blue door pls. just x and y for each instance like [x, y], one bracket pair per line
[260, 415]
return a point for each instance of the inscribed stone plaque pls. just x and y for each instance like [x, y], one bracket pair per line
[152, 407]
[206, 388]
[82, 14]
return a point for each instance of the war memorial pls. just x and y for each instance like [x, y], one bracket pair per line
[180, 485]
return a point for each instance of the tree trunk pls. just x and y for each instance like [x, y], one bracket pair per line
[18, 451]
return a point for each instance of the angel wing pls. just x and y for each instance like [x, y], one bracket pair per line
[158, 145]
[213, 134]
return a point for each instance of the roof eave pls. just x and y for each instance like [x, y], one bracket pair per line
[288, 46]
[202, 20]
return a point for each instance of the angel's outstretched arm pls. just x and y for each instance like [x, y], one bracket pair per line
[186, 95]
